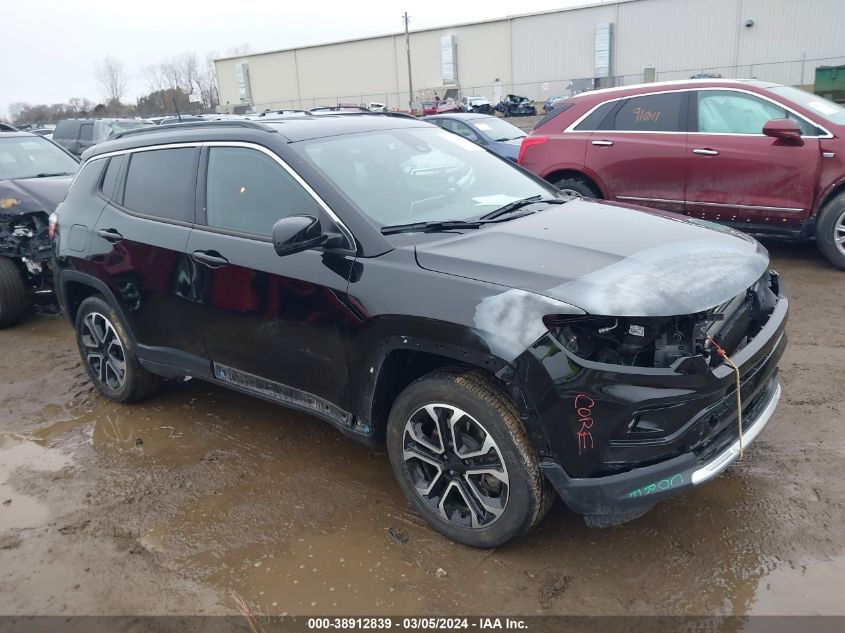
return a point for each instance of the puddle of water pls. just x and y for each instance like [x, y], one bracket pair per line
[18, 452]
[315, 573]
[805, 589]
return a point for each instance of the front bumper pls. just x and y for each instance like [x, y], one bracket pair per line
[596, 457]
[618, 498]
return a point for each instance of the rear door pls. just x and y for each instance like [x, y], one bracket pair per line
[275, 325]
[638, 150]
[735, 173]
[139, 241]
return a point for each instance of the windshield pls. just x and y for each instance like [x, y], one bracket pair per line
[820, 106]
[32, 156]
[498, 129]
[419, 175]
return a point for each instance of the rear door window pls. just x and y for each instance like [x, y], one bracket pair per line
[86, 132]
[162, 183]
[248, 192]
[651, 113]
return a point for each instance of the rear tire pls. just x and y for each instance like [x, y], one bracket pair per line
[13, 295]
[578, 187]
[108, 353]
[472, 473]
[830, 231]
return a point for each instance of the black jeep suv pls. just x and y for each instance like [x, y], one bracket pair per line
[407, 286]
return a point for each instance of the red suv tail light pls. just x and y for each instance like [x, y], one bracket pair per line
[527, 142]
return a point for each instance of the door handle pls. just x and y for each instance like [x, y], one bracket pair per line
[705, 152]
[110, 235]
[602, 143]
[212, 259]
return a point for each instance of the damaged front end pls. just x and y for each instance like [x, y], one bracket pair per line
[676, 342]
[25, 237]
[643, 408]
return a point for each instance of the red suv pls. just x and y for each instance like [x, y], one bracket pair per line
[766, 158]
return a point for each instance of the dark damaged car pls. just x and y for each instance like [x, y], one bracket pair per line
[34, 177]
[408, 287]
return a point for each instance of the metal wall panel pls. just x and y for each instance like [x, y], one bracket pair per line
[540, 54]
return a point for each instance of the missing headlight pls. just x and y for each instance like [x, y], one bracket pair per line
[639, 342]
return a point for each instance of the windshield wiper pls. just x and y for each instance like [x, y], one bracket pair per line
[45, 175]
[510, 207]
[442, 225]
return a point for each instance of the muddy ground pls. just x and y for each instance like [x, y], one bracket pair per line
[182, 503]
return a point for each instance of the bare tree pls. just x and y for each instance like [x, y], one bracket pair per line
[153, 78]
[208, 81]
[112, 79]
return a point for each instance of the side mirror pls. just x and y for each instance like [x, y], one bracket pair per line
[785, 129]
[297, 233]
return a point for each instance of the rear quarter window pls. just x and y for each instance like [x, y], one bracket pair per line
[595, 120]
[85, 182]
[110, 177]
[554, 113]
[162, 183]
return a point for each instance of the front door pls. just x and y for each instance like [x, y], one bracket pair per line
[736, 174]
[273, 325]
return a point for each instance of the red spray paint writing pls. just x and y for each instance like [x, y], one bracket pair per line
[583, 408]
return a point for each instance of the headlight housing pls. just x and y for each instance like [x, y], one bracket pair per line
[632, 341]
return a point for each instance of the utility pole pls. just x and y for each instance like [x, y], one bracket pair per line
[408, 51]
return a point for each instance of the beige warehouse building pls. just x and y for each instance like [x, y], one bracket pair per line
[550, 53]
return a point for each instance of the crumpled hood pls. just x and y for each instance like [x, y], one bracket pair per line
[607, 259]
[26, 195]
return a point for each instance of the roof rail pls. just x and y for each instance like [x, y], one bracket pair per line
[151, 129]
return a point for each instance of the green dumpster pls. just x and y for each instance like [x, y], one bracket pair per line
[830, 82]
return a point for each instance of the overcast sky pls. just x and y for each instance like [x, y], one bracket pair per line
[51, 52]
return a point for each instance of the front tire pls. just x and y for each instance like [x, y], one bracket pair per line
[13, 296]
[108, 354]
[830, 231]
[461, 457]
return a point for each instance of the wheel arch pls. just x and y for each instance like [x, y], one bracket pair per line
[835, 190]
[399, 366]
[76, 286]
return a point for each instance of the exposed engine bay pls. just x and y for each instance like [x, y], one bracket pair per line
[25, 237]
[661, 342]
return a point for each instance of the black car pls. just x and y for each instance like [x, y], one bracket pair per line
[514, 105]
[408, 287]
[34, 177]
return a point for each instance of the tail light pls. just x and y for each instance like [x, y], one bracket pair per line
[54, 224]
[526, 143]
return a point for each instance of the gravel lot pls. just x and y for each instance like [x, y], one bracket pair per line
[182, 503]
